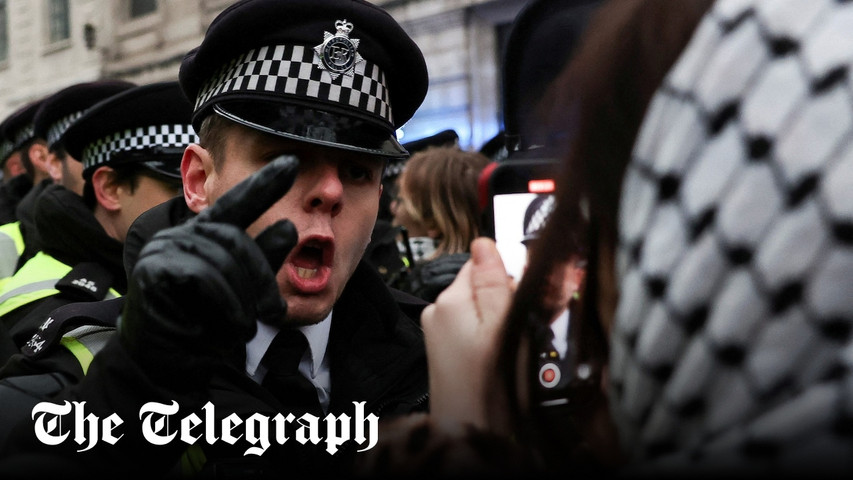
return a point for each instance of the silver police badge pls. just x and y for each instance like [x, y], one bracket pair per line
[338, 54]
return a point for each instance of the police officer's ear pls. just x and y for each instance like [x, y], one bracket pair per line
[38, 155]
[196, 165]
[105, 186]
[15, 165]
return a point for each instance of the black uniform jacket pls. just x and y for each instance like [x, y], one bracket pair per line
[69, 232]
[376, 353]
[11, 194]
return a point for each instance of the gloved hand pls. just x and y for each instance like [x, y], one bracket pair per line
[197, 289]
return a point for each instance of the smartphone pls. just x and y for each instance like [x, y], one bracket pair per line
[516, 189]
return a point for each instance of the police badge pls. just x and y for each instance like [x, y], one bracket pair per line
[338, 53]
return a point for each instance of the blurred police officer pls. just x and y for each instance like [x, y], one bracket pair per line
[16, 130]
[32, 150]
[53, 116]
[130, 146]
[15, 184]
[20, 193]
[112, 137]
[327, 82]
[10, 164]
[57, 112]
[11, 240]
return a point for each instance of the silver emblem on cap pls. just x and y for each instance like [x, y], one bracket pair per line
[338, 54]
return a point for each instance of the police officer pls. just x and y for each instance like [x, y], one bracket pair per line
[17, 180]
[32, 151]
[325, 82]
[57, 112]
[127, 169]
[560, 298]
[53, 116]
[15, 184]
[10, 165]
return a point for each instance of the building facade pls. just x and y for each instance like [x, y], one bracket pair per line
[46, 45]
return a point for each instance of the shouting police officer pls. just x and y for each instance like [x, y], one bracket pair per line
[312, 92]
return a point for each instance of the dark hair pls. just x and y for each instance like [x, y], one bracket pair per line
[128, 174]
[58, 149]
[211, 136]
[593, 110]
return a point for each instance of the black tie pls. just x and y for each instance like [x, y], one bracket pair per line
[283, 379]
[550, 349]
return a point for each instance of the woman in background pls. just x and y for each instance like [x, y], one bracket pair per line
[437, 203]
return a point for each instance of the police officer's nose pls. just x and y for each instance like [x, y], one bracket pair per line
[326, 191]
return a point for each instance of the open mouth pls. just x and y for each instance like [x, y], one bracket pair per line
[311, 263]
[311, 257]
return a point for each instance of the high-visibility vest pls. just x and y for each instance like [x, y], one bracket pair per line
[35, 280]
[11, 248]
[85, 341]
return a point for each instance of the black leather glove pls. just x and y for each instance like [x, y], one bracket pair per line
[197, 289]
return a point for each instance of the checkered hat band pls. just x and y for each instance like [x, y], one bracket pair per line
[60, 126]
[140, 138]
[5, 149]
[23, 135]
[540, 216]
[290, 70]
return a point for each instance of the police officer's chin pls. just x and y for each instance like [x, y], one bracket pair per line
[300, 316]
[305, 309]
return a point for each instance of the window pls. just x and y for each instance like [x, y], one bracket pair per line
[139, 8]
[4, 33]
[58, 20]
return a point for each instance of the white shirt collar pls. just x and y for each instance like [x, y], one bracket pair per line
[317, 336]
[560, 327]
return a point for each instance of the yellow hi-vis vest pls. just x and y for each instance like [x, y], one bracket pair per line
[11, 248]
[35, 280]
[85, 341]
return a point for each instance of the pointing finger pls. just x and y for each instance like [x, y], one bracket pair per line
[247, 200]
[276, 241]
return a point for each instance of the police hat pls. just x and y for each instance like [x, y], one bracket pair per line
[59, 110]
[18, 127]
[5, 143]
[536, 216]
[5, 151]
[339, 73]
[148, 125]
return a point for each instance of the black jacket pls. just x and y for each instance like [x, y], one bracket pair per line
[376, 354]
[26, 214]
[69, 232]
[429, 278]
[11, 194]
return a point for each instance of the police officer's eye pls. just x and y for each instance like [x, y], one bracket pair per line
[357, 172]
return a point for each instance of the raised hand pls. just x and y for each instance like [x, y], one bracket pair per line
[462, 330]
[197, 289]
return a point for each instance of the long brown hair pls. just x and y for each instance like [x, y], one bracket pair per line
[593, 109]
[441, 186]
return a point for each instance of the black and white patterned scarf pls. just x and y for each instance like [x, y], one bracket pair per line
[731, 346]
